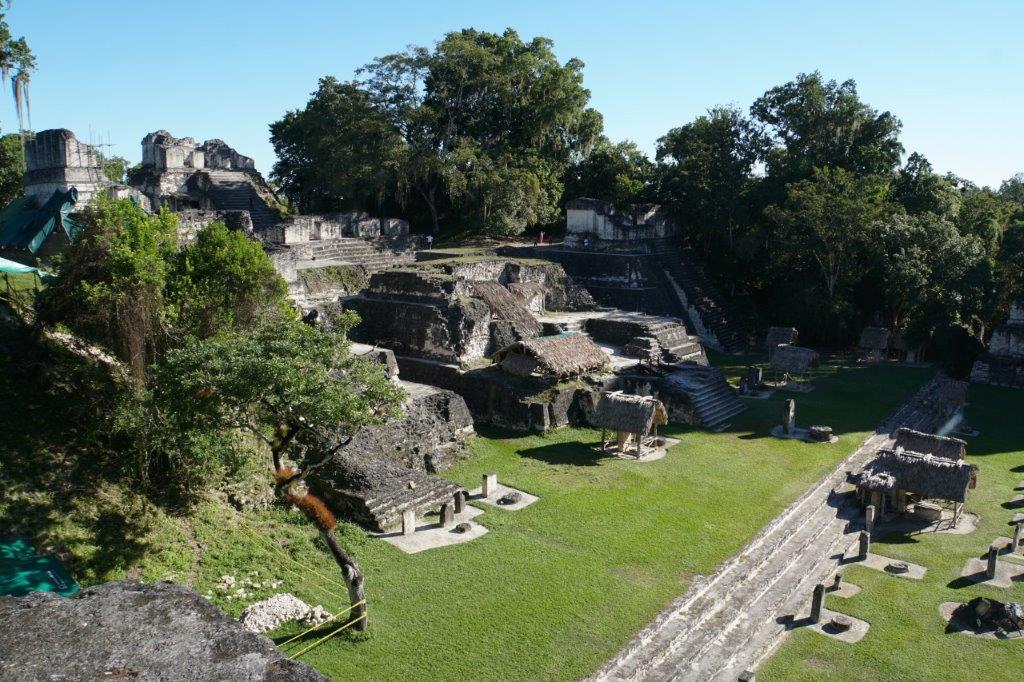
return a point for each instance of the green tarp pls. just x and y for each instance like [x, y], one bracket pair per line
[15, 268]
[22, 570]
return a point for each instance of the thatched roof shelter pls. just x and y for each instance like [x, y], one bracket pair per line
[626, 413]
[505, 306]
[560, 356]
[874, 338]
[794, 359]
[780, 335]
[526, 292]
[931, 477]
[930, 444]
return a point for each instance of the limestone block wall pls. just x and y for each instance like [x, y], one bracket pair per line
[55, 160]
[1008, 341]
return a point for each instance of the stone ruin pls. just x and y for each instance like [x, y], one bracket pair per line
[1003, 363]
[56, 161]
[628, 259]
[124, 629]
[598, 225]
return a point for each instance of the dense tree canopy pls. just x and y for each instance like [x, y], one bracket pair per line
[802, 204]
[212, 346]
[476, 133]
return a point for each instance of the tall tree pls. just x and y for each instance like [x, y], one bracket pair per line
[1012, 189]
[17, 63]
[919, 190]
[704, 172]
[824, 228]
[12, 168]
[618, 173]
[457, 125]
[812, 123]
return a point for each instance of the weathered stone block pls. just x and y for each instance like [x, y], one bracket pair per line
[408, 522]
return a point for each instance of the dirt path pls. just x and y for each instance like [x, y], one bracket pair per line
[730, 621]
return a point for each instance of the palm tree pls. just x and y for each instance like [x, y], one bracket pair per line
[16, 65]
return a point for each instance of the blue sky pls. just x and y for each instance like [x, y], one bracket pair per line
[953, 72]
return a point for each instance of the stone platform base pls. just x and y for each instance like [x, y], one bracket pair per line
[858, 627]
[1006, 572]
[429, 534]
[525, 499]
[912, 525]
[801, 434]
[845, 591]
[881, 563]
[649, 454]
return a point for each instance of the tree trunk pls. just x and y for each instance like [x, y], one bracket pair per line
[353, 578]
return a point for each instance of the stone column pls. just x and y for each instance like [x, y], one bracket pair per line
[901, 501]
[838, 582]
[869, 518]
[789, 417]
[817, 602]
[447, 515]
[990, 568]
[490, 485]
[1015, 545]
[460, 501]
[408, 521]
[864, 545]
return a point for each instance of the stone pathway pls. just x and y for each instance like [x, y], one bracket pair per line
[730, 621]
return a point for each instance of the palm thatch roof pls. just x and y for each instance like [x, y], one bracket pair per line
[874, 338]
[524, 292]
[561, 356]
[780, 335]
[931, 477]
[505, 306]
[620, 411]
[930, 444]
[794, 359]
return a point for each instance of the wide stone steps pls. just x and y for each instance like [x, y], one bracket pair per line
[428, 495]
[702, 295]
[732, 620]
[229, 192]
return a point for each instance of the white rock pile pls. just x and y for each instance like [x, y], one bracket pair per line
[266, 615]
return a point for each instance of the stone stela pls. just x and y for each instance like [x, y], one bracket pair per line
[789, 417]
[490, 485]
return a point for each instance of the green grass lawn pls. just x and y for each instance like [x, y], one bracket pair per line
[550, 592]
[907, 639]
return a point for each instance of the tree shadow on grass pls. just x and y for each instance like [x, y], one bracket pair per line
[573, 452]
[51, 470]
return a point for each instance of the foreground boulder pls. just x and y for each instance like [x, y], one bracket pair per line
[160, 631]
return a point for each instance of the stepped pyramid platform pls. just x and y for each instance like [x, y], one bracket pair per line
[232, 190]
[713, 399]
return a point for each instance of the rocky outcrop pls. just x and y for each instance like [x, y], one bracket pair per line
[124, 629]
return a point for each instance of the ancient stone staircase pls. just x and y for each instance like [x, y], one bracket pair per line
[732, 620]
[714, 401]
[428, 494]
[701, 296]
[676, 344]
[233, 191]
[373, 255]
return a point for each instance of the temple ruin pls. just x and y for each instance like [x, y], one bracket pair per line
[1003, 363]
[628, 259]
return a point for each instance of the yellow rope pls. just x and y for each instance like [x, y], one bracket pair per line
[307, 568]
[328, 636]
[320, 625]
[301, 577]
